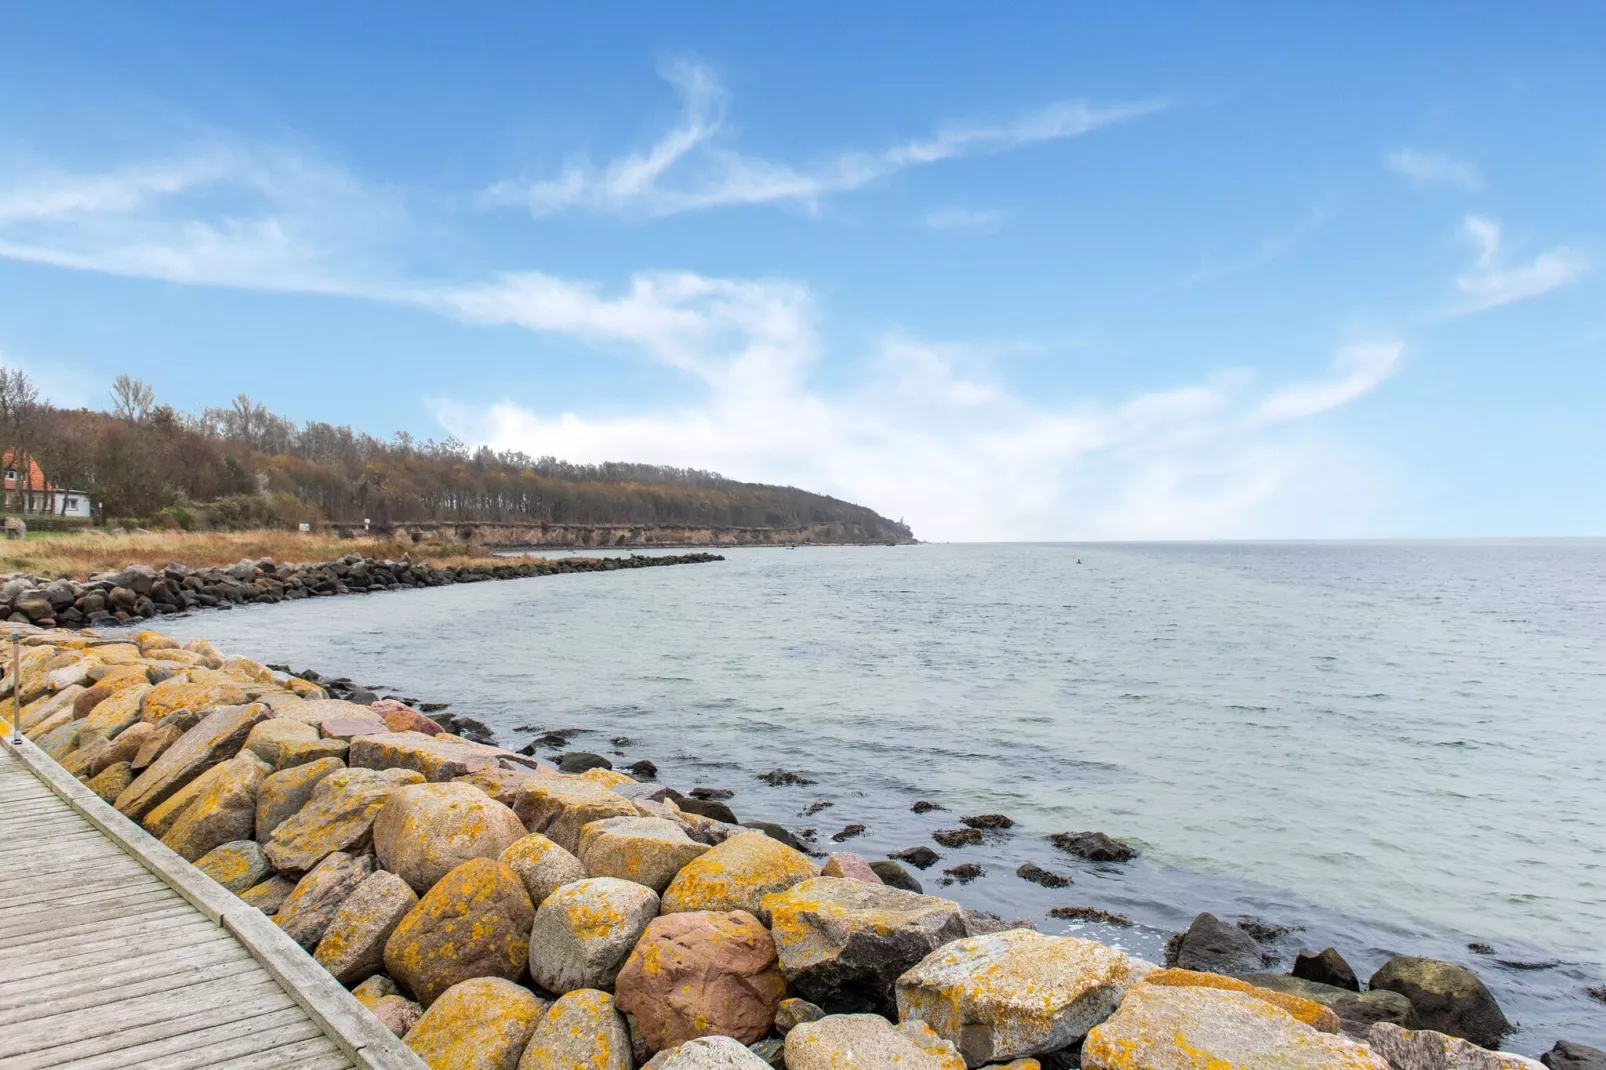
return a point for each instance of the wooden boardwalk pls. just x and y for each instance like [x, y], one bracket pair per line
[105, 964]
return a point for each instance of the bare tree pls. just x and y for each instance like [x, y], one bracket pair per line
[132, 399]
[19, 418]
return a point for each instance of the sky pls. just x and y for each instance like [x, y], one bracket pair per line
[1026, 271]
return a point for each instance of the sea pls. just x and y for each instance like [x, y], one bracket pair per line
[1383, 747]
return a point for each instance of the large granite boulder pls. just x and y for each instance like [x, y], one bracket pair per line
[1015, 993]
[647, 850]
[1424, 1049]
[1210, 945]
[843, 942]
[1357, 1011]
[425, 831]
[436, 757]
[115, 713]
[110, 781]
[125, 748]
[285, 792]
[268, 739]
[237, 865]
[736, 875]
[1565, 1055]
[161, 819]
[475, 922]
[868, 1040]
[1166, 1028]
[701, 973]
[558, 807]
[178, 693]
[1448, 998]
[226, 811]
[306, 914]
[300, 752]
[542, 865]
[315, 711]
[707, 1053]
[270, 894]
[581, 1030]
[353, 946]
[339, 817]
[584, 930]
[500, 784]
[218, 737]
[1312, 1013]
[481, 1023]
[114, 680]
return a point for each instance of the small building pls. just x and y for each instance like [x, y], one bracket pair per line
[28, 491]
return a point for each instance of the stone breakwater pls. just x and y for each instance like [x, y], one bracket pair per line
[497, 912]
[141, 592]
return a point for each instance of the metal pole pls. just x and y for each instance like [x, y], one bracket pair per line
[16, 689]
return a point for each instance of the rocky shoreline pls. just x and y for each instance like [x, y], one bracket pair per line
[140, 592]
[497, 910]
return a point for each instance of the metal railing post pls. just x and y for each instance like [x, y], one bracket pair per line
[16, 688]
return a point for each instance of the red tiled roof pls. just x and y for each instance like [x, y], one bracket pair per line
[38, 481]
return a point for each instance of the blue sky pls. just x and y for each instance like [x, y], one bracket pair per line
[1044, 272]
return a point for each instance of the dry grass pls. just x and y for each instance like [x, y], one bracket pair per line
[77, 555]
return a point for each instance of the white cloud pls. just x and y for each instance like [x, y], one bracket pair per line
[1490, 285]
[972, 220]
[687, 170]
[1360, 369]
[1433, 168]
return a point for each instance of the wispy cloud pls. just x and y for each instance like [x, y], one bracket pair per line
[689, 170]
[1491, 284]
[1271, 248]
[1433, 169]
[1358, 369]
[970, 220]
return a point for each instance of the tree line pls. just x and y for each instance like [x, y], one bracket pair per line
[242, 466]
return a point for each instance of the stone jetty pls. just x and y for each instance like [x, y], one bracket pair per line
[494, 912]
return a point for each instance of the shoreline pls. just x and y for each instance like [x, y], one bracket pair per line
[388, 739]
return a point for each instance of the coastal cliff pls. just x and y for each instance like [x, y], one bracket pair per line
[597, 536]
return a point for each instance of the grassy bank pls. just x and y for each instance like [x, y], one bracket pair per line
[77, 555]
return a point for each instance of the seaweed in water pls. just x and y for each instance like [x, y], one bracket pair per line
[815, 807]
[1519, 964]
[848, 832]
[1480, 949]
[1035, 873]
[957, 837]
[987, 821]
[924, 807]
[776, 778]
[1091, 914]
[1596, 993]
[965, 872]
[1265, 932]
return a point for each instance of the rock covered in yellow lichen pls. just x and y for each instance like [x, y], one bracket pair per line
[171, 696]
[1425, 1049]
[113, 680]
[125, 748]
[353, 946]
[237, 865]
[854, 1040]
[217, 736]
[300, 752]
[438, 758]
[580, 1031]
[338, 817]
[701, 973]
[542, 865]
[1308, 1011]
[608, 778]
[1166, 1028]
[708, 1053]
[285, 792]
[153, 640]
[584, 930]
[1015, 993]
[308, 910]
[270, 895]
[110, 781]
[385, 1002]
[482, 1023]
[425, 831]
[166, 815]
[559, 806]
[225, 811]
[841, 940]
[737, 875]
[647, 850]
[475, 922]
[115, 712]
[267, 740]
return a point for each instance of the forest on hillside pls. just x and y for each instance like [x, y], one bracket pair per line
[241, 466]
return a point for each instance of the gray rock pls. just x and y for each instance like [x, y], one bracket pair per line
[237, 865]
[353, 946]
[1212, 946]
[217, 737]
[794, 1012]
[306, 914]
[1426, 1049]
[1448, 998]
[707, 1053]
[867, 1040]
[581, 1028]
[1326, 967]
[1357, 1011]
[1569, 1056]
[896, 876]
[772, 1050]
[583, 932]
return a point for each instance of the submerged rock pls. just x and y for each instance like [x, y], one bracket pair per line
[1212, 946]
[1031, 871]
[918, 857]
[1569, 1056]
[966, 837]
[1325, 967]
[1094, 846]
[895, 876]
[988, 821]
[1448, 998]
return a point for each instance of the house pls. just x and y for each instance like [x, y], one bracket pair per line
[28, 491]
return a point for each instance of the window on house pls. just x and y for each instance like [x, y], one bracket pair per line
[72, 503]
[11, 475]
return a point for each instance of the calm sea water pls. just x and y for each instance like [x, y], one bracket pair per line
[1400, 747]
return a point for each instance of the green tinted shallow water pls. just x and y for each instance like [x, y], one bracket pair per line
[1401, 747]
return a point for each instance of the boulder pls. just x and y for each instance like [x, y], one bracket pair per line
[111, 781]
[353, 946]
[701, 973]
[267, 740]
[895, 876]
[559, 807]
[584, 930]
[1357, 1011]
[125, 748]
[425, 831]
[500, 784]
[707, 1053]
[580, 1031]
[1447, 998]
[309, 909]
[436, 757]
[56, 708]
[1165, 1028]
[1015, 993]
[399, 718]
[224, 812]
[868, 1040]
[89, 752]
[1212, 946]
[1312, 1013]
[165, 816]
[542, 865]
[482, 1023]
[1094, 846]
[842, 943]
[178, 693]
[302, 752]
[284, 793]
[647, 850]
[114, 680]
[238, 865]
[349, 728]
[155, 744]
[218, 737]
[737, 875]
[1424, 1049]
[1325, 967]
[270, 895]
[61, 740]
[385, 1002]
[1566, 1055]
[475, 922]
[851, 867]
[339, 817]
[315, 711]
[115, 713]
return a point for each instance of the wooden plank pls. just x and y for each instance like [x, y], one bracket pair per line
[151, 891]
[319, 1053]
[91, 882]
[107, 955]
[165, 964]
[147, 1045]
[96, 992]
[126, 938]
[65, 872]
[103, 905]
[128, 925]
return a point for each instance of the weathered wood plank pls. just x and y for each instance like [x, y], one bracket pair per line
[123, 922]
[166, 963]
[175, 1036]
[106, 991]
[319, 1053]
[128, 940]
[102, 956]
[147, 892]
[138, 900]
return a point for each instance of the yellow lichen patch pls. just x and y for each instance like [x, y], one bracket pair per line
[608, 778]
[304, 688]
[580, 1031]
[475, 922]
[171, 696]
[149, 641]
[478, 1024]
[118, 653]
[116, 712]
[737, 875]
[1308, 1011]
[177, 660]
[161, 819]
[116, 678]
[250, 670]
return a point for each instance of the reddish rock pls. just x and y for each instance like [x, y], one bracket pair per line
[702, 973]
[850, 866]
[349, 728]
[399, 718]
